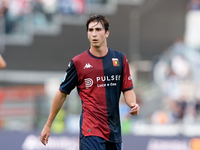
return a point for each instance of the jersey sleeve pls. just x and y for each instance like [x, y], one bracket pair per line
[70, 79]
[127, 80]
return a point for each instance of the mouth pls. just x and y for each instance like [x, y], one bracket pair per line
[95, 40]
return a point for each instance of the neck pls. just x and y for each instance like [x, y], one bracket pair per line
[99, 52]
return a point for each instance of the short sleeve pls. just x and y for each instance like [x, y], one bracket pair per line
[127, 80]
[70, 79]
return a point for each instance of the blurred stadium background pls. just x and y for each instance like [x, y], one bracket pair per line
[161, 40]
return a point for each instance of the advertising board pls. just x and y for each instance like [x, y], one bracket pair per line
[31, 141]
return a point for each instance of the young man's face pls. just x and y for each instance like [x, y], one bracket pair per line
[96, 34]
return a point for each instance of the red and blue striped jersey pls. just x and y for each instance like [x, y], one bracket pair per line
[99, 81]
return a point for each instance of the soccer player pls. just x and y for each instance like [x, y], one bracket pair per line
[100, 74]
[2, 62]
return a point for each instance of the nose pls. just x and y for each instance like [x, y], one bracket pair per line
[94, 33]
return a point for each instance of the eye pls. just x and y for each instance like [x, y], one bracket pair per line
[98, 29]
[90, 29]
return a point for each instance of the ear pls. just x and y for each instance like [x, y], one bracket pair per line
[107, 33]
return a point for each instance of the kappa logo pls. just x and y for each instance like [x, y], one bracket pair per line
[87, 65]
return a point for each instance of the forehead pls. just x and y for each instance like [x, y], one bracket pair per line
[95, 24]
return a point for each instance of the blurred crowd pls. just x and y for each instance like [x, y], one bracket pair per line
[193, 5]
[18, 12]
[176, 72]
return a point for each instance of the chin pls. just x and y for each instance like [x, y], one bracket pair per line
[96, 46]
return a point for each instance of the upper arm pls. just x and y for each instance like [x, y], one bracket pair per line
[127, 80]
[70, 80]
[61, 95]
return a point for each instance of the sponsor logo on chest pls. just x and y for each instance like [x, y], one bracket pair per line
[103, 81]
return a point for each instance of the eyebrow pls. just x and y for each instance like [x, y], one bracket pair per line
[95, 28]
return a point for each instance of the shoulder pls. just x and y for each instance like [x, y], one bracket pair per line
[80, 56]
[116, 53]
